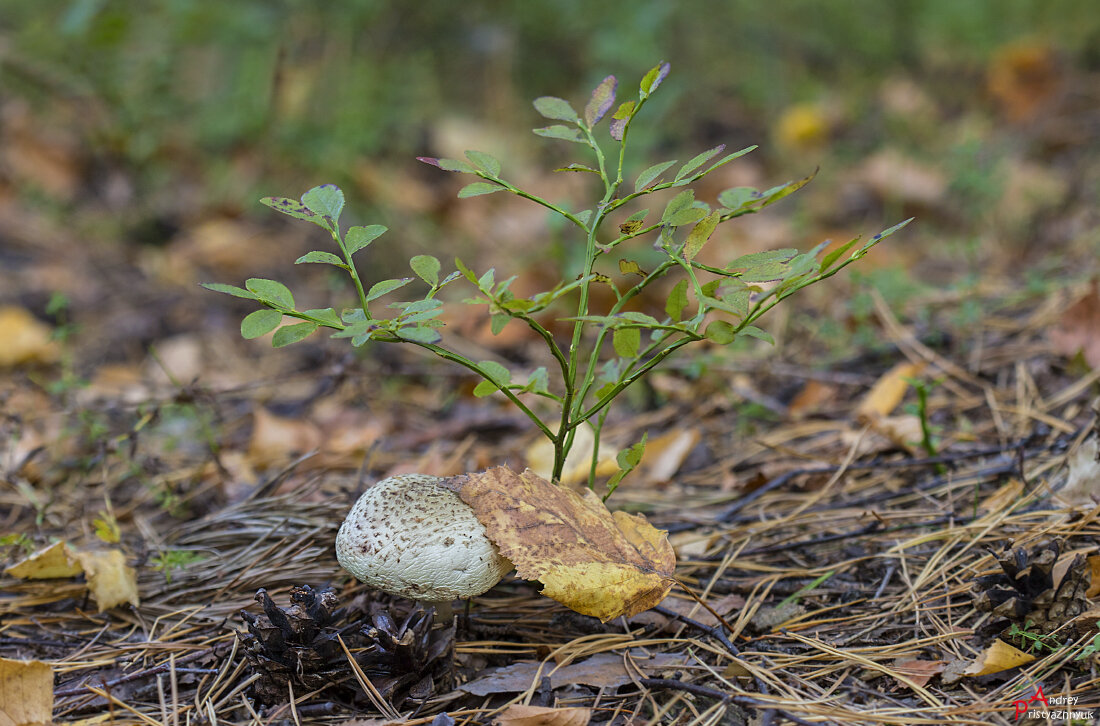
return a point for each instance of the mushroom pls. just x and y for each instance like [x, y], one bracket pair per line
[409, 536]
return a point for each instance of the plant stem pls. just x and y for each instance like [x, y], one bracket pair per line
[353, 272]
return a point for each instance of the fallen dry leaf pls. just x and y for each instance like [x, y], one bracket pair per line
[888, 391]
[57, 560]
[891, 175]
[276, 440]
[665, 454]
[810, 399]
[25, 338]
[111, 581]
[1082, 487]
[542, 716]
[540, 457]
[1023, 77]
[1079, 329]
[26, 692]
[1094, 580]
[996, 658]
[919, 671]
[595, 562]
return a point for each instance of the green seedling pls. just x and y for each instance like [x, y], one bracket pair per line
[608, 350]
[168, 561]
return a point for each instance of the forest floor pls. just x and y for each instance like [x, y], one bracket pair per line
[843, 502]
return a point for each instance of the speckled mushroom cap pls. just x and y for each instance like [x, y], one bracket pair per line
[407, 536]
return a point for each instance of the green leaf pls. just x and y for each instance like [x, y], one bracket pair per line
[754, 332]
[426, 268]
[422, 334]
[485, 388]
[447, 164]
[698, 161]
[884, 234]
[495, 372]
[650, 175]
[578, 167]
[456, 165]
[538, 381]
[359, 237]
[230, 290]
[326, 258]
[678, 203]
[326, 200]
[626, 341]
[271, 291]
[687, 216]
[353, 331]
[351, 316]
[260, 323]
[556, 108]
[294, 208]
[379, 289]
[753, 259]
[737, 197]
[292, 334]
[630, 457]
[729, 157]
[418, 310]
[478, 188]
[466, 271]
[636, 317]
[774, 194]
[485, 282]
[558, 131]
[652, 79]
[620, 119]
[325, 315]
[628, 460]
[497, 321]
[828, 260]
[700, 233]
[677, 300]
[603, 98]
[720, 332]
[624, 111]
[486, 162]
[766, 272]
[638, 216]
[630, 267]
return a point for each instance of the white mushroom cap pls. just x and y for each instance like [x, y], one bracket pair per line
[409, 537]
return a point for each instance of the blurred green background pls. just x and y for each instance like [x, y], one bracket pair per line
[154, 127]
[239, 95]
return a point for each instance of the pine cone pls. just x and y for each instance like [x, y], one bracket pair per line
[1025, 591]
[300, 645]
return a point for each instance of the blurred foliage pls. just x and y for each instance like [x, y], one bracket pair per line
[314, 86]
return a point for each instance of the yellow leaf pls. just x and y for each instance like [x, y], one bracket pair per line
[996, 658]
[587, 558]
[26, 692]
[887, 392]
[57, 560]
[802, 127]
[111, 581]
[517, 715]
[24, 339]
